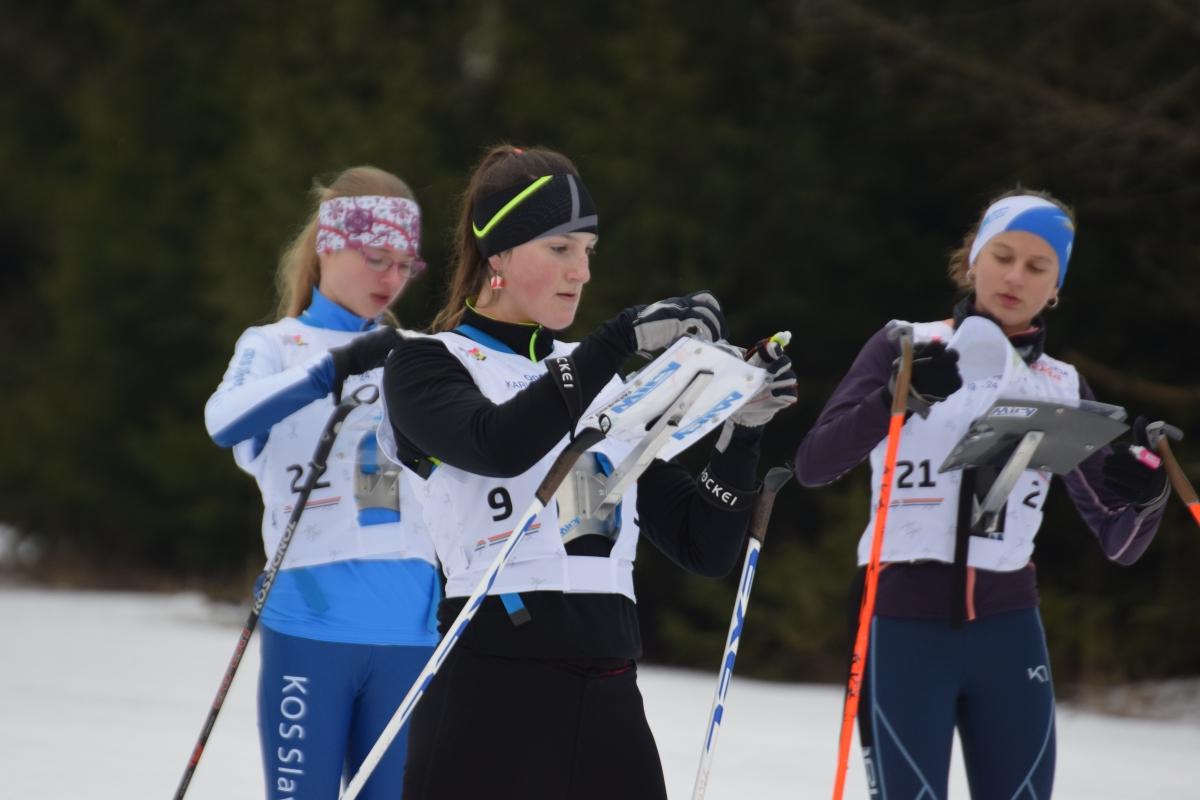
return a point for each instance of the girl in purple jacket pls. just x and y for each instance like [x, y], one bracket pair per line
[957, 641]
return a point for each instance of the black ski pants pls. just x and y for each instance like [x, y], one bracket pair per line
[499, 728]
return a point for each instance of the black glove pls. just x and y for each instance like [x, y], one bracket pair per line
[1129, 476]
[362, 355]
[656, 326]
[934, 376]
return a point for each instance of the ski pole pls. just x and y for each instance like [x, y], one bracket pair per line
[545, 492]
[1159, 433]
[867, 610]
[365, 395]
[772, 483]
[637, 461]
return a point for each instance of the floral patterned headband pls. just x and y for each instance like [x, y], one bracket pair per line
[369, 221]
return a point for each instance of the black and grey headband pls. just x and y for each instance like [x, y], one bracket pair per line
[546, 206]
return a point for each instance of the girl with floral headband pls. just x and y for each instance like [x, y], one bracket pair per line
[956, 642]
[350, 620]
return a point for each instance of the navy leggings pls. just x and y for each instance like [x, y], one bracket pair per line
[990, 679]
[322, 705]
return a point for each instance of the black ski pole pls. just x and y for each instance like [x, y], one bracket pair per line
[365, 395]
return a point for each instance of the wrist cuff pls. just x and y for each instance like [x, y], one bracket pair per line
[720, 494]
[1150, 506]
[564, 376]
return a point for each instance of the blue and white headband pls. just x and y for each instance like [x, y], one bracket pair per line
[1032, 215]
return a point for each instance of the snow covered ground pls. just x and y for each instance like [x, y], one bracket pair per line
[102, 696]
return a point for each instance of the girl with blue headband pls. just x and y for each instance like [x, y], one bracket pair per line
[956, 642]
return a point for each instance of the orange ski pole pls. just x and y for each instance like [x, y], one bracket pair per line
[867, 610]
[1183, 487]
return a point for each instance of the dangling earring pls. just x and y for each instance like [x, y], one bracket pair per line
[497, 282]
[1053, 302]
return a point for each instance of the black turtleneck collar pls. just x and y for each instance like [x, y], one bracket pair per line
[525, 339]
[1030, 344]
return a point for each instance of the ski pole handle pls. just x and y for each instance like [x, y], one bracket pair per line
[904, 376]
[364, 395]
[782, 338]
[1159, 433]
[775, 480]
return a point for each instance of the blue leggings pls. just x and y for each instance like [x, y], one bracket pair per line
[990, 679]
[322, 705]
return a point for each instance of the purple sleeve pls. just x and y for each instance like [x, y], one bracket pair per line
[1123, 530]
[854, 420]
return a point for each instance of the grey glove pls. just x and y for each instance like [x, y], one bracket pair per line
[777, 393]
[657, 325]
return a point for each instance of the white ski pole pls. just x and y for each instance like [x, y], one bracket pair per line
[772, 483]
[558, 471]
[637, 461]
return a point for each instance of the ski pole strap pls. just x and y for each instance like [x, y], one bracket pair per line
[720, 494]
[515, 606]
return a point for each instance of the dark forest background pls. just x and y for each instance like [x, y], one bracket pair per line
[811, 162]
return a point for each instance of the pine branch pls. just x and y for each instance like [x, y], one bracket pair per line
[1188, 20]
[1152, 392]
[1073, 109]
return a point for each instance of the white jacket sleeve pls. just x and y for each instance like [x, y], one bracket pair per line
[257, 392]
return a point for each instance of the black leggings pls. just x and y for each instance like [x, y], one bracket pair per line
[504, 728]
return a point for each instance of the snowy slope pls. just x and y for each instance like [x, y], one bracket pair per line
[103, 694]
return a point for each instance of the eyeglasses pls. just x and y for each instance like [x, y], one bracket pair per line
[380, 261]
